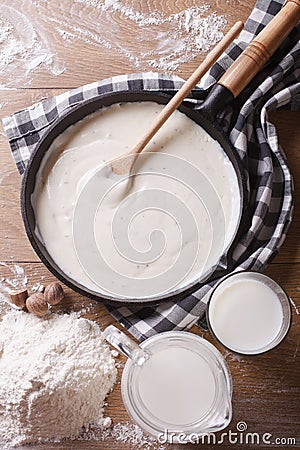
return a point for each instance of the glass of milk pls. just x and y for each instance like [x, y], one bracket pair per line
[175, 385]
[249, 313]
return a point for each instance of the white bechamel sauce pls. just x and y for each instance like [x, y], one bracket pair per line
[245, 314]
[83, 148]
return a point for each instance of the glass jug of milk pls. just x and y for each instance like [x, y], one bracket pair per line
[174, 384]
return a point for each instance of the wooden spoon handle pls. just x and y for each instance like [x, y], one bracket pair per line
[178, 98]
[257, 53]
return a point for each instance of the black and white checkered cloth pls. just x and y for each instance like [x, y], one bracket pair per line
[245, 122]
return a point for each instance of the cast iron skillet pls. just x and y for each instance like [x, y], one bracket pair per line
[72, 117]
[229, 86]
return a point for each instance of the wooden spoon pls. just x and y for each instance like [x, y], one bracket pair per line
[123, 164]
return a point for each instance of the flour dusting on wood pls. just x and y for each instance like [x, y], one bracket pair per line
[32, 34]
[125, 433]
[12, 277]
[23, 45]
[174, 39]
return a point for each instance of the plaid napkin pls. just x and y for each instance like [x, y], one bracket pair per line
[245, 122]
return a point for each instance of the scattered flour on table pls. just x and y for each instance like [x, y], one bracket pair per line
[37, 287]
[12, 276]
[126, 433]
[129, 433]
[147, 38]
[16, 279]
[55, 375]
[23, 44]
[174, 39]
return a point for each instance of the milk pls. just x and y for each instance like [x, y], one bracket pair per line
[181, 387]
[177, 386]
[245, 314]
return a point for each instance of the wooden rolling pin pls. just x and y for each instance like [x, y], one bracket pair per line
[259, 51]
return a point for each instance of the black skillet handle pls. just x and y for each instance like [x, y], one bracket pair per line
[253, 58]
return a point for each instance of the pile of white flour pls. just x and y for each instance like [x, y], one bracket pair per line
[54, 376]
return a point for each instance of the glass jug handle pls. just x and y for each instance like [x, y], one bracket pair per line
[125, 345]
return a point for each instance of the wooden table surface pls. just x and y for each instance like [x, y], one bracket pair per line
[266, 388]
